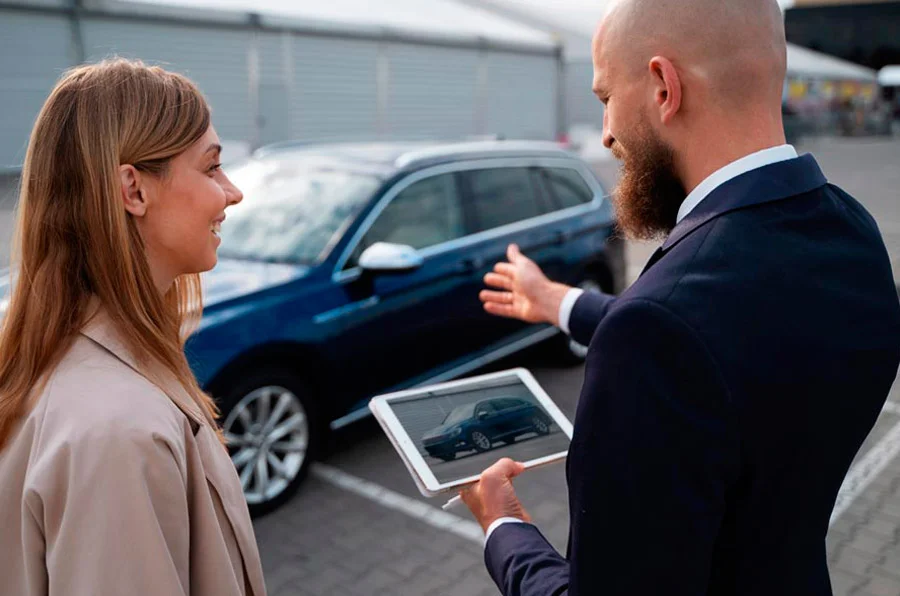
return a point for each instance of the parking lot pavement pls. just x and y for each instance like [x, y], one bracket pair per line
[361, 527]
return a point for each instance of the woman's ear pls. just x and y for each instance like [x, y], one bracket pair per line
[133, 194]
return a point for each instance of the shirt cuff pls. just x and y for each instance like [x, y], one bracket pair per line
[499, 522]
[566, 306]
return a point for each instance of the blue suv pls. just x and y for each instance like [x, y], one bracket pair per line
[354, 269]
[479, 426]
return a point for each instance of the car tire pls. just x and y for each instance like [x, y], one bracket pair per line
[566, 350]
[480, 441]
[273, 432]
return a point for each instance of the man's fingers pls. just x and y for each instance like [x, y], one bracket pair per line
[500, 310]
[495, 280]
[498, 297]
[503, 469]
[505, 269]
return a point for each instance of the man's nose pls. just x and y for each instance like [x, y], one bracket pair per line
[608, 138]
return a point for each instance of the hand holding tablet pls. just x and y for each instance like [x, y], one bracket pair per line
[448, 434]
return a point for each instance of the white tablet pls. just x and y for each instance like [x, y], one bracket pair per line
[448, 434]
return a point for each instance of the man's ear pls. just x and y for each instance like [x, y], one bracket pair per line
[667, 88]
[133, 194]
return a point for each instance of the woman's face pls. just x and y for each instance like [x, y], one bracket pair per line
[179, 213]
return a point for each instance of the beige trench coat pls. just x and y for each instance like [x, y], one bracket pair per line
[116, 486]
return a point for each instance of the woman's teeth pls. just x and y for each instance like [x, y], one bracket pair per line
[216, 228]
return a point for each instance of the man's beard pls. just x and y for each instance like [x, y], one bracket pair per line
[649, 192]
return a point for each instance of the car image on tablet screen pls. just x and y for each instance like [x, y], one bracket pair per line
[483, 425]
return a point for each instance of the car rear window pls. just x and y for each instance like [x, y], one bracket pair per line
[567, 187]
[502, 196]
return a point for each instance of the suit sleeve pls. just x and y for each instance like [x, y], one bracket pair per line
[653, 454]
[115, 515]
[588, 312]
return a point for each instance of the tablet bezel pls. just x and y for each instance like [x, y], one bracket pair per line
[381, 407]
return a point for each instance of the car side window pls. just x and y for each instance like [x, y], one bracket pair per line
[502, 196]
[567, 187]
[486, 407]
[426, 213]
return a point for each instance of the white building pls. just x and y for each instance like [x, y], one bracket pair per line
[275, 70]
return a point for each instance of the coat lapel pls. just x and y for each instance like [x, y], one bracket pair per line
[217, 465]
[101, 330]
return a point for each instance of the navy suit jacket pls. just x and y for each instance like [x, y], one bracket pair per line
[725, 395]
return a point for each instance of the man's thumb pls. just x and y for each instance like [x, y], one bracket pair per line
[513, 253]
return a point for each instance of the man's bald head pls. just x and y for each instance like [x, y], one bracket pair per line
[689, 86]
[734, 48]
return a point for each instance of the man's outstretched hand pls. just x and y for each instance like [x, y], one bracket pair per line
[522, 291]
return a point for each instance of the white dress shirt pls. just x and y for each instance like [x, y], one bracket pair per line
[704, 189]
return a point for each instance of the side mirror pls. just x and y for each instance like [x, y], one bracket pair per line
[384, 257]
[482, 415]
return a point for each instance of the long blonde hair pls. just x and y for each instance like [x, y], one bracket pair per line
[74, 239]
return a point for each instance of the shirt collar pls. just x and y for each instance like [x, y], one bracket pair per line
[733, 170]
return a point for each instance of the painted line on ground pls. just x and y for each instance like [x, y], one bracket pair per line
[869, 466]
[437, 518]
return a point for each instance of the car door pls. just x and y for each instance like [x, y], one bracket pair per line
[402, 325]
[507, 205]
[489, 419]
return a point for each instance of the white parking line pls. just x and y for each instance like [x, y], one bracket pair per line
[869, 467]
[432, 516]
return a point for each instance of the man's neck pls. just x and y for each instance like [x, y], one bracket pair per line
[712, 152]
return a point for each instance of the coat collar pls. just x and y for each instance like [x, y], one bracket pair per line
[101, 329]
[769, 183]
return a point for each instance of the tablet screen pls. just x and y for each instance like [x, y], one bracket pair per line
[461, 431]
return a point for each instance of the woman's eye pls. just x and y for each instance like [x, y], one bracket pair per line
[215, 168]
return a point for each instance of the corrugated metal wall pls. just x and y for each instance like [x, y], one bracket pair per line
[266, 86]
[432, 91]
[521, 96]
[335, 88]
[28, 71]
[214, 59]
[582, 106]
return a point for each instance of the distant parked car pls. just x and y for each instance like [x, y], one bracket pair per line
[350, 270]
[480, 426]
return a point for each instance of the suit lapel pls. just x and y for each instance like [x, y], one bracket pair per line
[775, 182]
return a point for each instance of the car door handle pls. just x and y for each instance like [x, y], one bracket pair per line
[467, 266]
[560, 237]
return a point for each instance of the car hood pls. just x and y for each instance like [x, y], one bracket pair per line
[232, 278]
[440, 431]
[229, 279]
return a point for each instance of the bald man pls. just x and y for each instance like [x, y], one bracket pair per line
[727, 391]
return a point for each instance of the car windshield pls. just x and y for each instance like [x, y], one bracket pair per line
[293, 210]
[459, 414]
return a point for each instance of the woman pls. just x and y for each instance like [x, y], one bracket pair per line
[113, 477]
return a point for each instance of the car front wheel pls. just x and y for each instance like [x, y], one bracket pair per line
[480, 441]
[272, 433]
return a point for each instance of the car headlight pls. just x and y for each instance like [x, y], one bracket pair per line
[455, 432]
